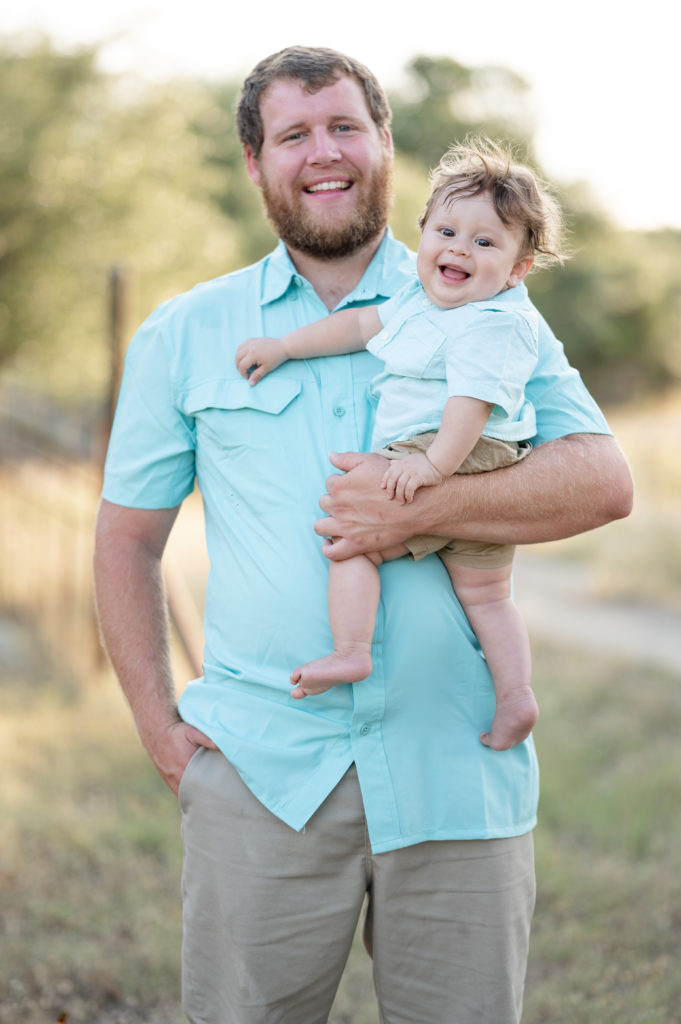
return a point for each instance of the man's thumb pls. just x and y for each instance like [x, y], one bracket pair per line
[346, 460]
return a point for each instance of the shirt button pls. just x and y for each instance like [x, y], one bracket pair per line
[365, 729]
[425, 302]
[339, 411]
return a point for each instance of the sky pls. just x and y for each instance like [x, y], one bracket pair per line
[605, 76]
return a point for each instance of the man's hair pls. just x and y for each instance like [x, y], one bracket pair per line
[519, 196]
[314, 67]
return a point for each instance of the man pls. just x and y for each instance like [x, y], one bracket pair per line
[294, 812]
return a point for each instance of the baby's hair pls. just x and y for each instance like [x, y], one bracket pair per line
[518, 194]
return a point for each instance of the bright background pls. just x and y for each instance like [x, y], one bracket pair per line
[605, 76]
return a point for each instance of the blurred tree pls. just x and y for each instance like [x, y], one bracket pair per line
[95, 172]
[616, 305]
[232, 189]
[445, 101]
[42, 95]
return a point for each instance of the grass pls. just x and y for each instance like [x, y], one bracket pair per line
[89, 864]
[607, 927]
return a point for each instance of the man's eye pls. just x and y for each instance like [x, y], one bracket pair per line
[343, 128]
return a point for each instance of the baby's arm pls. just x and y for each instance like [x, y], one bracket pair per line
[346, 331]
[463, 420]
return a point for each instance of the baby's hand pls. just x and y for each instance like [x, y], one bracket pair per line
[258, 356]
[403, 477]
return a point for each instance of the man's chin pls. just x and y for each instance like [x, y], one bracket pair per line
[329, 243]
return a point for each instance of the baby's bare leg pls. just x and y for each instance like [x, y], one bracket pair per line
[354, 590]
[485, 595]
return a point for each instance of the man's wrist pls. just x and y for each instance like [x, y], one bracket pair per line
[433, 505]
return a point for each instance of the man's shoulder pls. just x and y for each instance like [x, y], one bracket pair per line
[236, 282]
[209, 300]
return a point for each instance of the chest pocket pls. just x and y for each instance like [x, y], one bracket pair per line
[414, 349]
[231, 415]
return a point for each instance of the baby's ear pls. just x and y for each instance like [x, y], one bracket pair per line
[519, 271]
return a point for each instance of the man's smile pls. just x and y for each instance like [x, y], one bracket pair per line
[328, 186]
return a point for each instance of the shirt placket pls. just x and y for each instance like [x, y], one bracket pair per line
[366, 724]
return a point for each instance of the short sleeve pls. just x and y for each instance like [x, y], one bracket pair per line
[150, 461]
[493, 358]
[562, 402]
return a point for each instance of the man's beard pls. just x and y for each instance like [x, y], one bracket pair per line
[301, 232]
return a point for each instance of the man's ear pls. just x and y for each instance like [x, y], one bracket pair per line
[252, 165]
[519, 271]
[388, 141]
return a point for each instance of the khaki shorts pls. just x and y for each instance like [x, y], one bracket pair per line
[270, 913]
[488, 454]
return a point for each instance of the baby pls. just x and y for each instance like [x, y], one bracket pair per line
[458, 346]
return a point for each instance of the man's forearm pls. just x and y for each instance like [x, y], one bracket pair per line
[562, 488]
[133, 619]
[132, 607]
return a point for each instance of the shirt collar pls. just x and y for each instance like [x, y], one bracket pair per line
[516, 296]
[377, 283]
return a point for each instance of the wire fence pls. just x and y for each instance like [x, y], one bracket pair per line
[49, 484]
[50, 479]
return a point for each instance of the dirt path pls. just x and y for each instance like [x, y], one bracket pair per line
[558, 604]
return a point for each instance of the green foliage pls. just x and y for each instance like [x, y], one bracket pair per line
[445, 101]
[95, 172]
[47, 102]
[616, 304]
[411, 192]
[232, 191]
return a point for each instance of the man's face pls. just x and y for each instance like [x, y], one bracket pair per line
[325, 169]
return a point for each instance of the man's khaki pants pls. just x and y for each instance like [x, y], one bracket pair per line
[270, 913]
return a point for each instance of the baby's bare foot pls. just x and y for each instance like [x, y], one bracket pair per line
[341, 666]
[513, 720]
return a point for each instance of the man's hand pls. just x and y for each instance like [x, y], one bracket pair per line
[563, 487]
[259, 356]
[403, 477]
[172, 750]
[361, 517]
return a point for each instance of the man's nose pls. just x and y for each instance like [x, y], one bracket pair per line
[324, 148]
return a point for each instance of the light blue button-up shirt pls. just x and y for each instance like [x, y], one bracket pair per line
[261, 457]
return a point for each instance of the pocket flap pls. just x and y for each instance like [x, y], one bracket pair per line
[269, 395]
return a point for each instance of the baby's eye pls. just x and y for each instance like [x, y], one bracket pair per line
[484, 243]
[447, 232]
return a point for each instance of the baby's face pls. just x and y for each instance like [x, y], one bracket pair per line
[467, 253]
